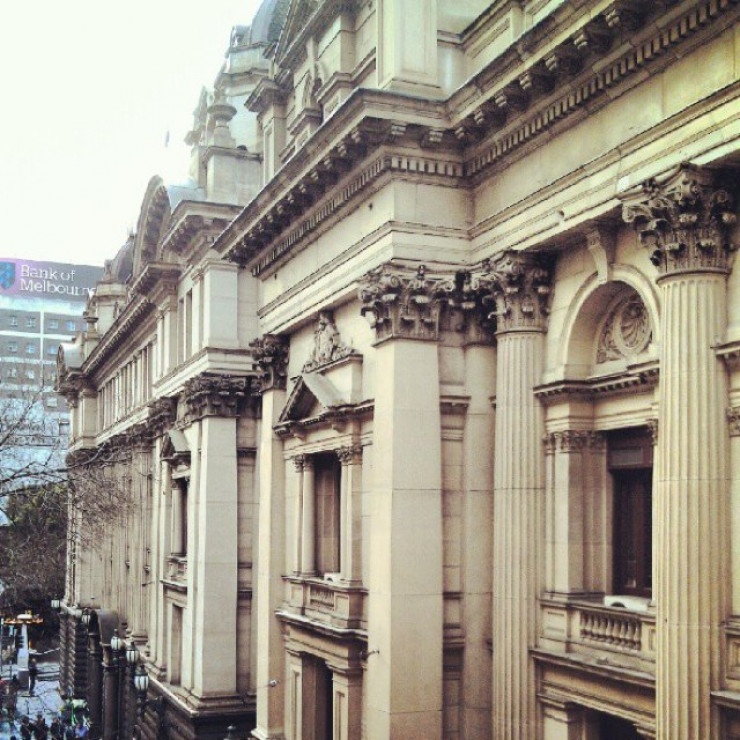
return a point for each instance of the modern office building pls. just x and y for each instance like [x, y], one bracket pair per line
[467, 449]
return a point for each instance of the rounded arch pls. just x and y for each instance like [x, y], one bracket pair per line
[588, 310]
[154, 218]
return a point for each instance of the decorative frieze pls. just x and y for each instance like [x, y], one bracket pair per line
[214, 395]
[419, 305]
[627, 331]
[573, 440]
[270, 352]
[684, 220]
[328, 345]
[520, 285]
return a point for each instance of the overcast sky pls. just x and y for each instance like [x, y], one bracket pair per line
[90, 89]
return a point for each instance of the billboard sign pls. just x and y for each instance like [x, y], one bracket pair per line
[30, 279]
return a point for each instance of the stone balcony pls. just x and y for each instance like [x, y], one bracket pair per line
[607, 636]
[177, 569]
[337, 605]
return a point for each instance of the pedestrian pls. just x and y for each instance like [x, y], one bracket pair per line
[56, 730]
[25, 728]
[40, 728]
[81, 731]
[33, 672]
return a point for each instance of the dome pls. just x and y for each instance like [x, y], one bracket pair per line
[268, 21]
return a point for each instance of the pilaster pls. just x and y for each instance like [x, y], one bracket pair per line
[520, 289]
[271, 355]
[684, 220]
[350, 508]
[405, 614]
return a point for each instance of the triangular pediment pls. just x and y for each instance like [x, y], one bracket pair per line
[175, 448]
[312, 396]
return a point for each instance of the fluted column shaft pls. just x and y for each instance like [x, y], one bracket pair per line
[308, 535]
[517, 536]
[691, 506]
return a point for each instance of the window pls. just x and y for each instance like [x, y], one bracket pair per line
[630, 458]
[51, 350]
[30, 375]
[30, 349]
[53, 323]
[180, 517]
[13, 347]
[12, 321]
[31, 322]
[70, 326]
[327, 478]
[11, 372]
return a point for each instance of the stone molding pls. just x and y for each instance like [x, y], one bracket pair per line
[270, 352]
[328, 345]
[574, 440]
[684, 220]
[215, 395]
[162, 414]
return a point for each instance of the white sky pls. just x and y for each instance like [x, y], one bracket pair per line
[90, 89]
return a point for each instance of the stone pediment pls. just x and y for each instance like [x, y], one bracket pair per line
[313, 397]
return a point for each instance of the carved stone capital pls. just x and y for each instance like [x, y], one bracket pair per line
[350, 454]
[520, 290]
[299, 461]
[270, 352]
[399, 302]
[573, 440]
[328, 345]
[162, 415]
[214, 395]
[733, 419]
[684, 220]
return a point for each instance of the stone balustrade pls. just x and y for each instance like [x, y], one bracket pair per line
[328, 602]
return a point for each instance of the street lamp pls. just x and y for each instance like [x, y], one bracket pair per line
[86, 616]
[117, 643]
[132, 653]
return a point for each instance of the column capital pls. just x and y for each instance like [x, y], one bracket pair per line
[350, 454]
[270, 352]
[520, 286]
[209, 394]
[684, 219]
[300, 462]
[402, 302]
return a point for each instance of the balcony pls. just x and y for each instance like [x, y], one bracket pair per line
[177, 569]
[337, 605]
[604, 635]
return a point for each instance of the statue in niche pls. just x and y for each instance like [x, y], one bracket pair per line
[328, 344]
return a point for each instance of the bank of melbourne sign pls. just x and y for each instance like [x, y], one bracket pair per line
[28, 279]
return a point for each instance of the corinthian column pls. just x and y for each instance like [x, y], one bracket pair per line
[520, 289]
[684, 221]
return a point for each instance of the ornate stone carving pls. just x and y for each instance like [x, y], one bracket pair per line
[162, 414]
[299, 461]
[684, 221]
[328, 345]
[270, 352]
[214, 395]
[573, 440]
[520, 290]
[627, 330]
[733, 418]
[652, 425]
[400, 303]
[350, 454]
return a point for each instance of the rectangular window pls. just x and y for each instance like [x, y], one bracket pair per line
[13, 347]
[30, 349]
[53, 323]
[630, 458]
[327, 480]
[11, 372]
[180, 517]
[70, 326]
[12, 321]
[31, 322]
[30, 375]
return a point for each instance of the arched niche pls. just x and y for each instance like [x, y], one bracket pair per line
[611, 325]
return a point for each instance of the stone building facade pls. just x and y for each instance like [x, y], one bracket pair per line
[494, 398]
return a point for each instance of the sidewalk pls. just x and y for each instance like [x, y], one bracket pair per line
[46, 700]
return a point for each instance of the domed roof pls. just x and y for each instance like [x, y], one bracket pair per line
[268, 21]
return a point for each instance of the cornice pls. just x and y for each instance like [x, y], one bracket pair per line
[532, 88]
[133, 313]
